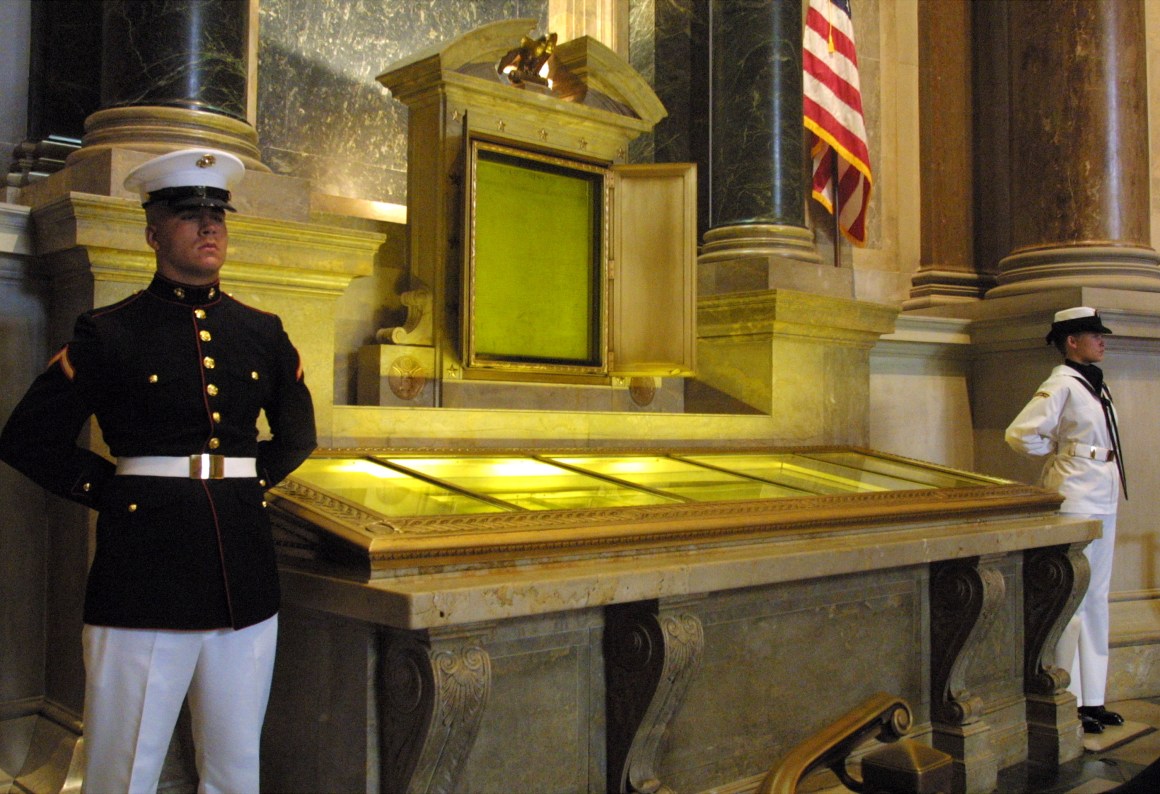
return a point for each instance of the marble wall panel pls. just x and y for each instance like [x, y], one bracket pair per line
[777, 668]
[321, 113]
[543, 705]
[642, 56]
[23, 532]
[321, 727]
[668, 45]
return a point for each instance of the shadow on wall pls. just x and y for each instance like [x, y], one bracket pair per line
[348, 138]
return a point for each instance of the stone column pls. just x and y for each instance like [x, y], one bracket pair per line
[758, 235]
[173, 75]
[947, 272]
[1078, 175]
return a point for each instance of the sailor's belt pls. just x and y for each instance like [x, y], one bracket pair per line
[1087, 451]
[195, 467]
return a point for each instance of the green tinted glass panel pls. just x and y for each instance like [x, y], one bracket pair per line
[679, 477]
[919, 476]
[528, 483]
[385, 491]
[536, 263]
[811, 476]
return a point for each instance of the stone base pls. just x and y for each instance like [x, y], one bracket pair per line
[795, 355]
[940, 287]
[1126, 267]
[749, 257]
[744, 274]
[975, 766]
[156, 129]
[101, 171]
[1054, 734]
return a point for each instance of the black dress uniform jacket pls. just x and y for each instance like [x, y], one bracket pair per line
[172, 370]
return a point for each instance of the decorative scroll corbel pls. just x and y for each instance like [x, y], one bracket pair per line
[1054, 581]
[432, 701]
[417, 328]
[650, 656]
[964, 599]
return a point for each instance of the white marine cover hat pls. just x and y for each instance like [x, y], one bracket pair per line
[187, 178]
[1074, 321]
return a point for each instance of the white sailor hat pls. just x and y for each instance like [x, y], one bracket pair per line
[187, 178]
[1075, 321]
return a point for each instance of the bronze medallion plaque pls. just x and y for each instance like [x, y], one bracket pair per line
[406, 377]
[642, 390]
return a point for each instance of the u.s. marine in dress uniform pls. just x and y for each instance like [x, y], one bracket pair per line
[182, 595]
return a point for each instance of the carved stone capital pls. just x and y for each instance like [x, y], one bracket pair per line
[650, 656]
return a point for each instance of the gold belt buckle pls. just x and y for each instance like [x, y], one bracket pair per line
[207, 467]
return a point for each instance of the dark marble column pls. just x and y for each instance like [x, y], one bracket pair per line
[756, 121]
[173, 74]
[758, 237]
[1078, 175]
[63, 74]
[180, 54]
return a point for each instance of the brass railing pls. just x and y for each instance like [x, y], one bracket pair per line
[884, 717]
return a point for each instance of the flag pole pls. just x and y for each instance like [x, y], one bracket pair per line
[837, 210]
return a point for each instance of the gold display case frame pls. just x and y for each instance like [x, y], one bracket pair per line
[643, 267]
[317, 527]
[547, 286]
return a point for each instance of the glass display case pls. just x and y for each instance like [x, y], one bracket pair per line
[378, 512]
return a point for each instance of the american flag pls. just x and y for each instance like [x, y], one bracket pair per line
[833, 113]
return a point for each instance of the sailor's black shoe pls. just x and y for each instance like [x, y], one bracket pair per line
[1101, 715]
[1090, 724]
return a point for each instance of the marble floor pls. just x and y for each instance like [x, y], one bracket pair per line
[1112, 758]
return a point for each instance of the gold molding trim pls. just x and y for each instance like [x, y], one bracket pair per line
[395, 542]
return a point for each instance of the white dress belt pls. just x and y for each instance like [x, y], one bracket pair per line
[1087, 451]
[195, 467]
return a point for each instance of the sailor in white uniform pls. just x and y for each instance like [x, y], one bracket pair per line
[1071, 423]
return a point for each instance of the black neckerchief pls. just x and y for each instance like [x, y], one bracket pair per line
[1093, 379]
[1092, 374]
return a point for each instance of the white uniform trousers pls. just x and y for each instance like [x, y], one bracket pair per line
[1083, 646]
[136, 680]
